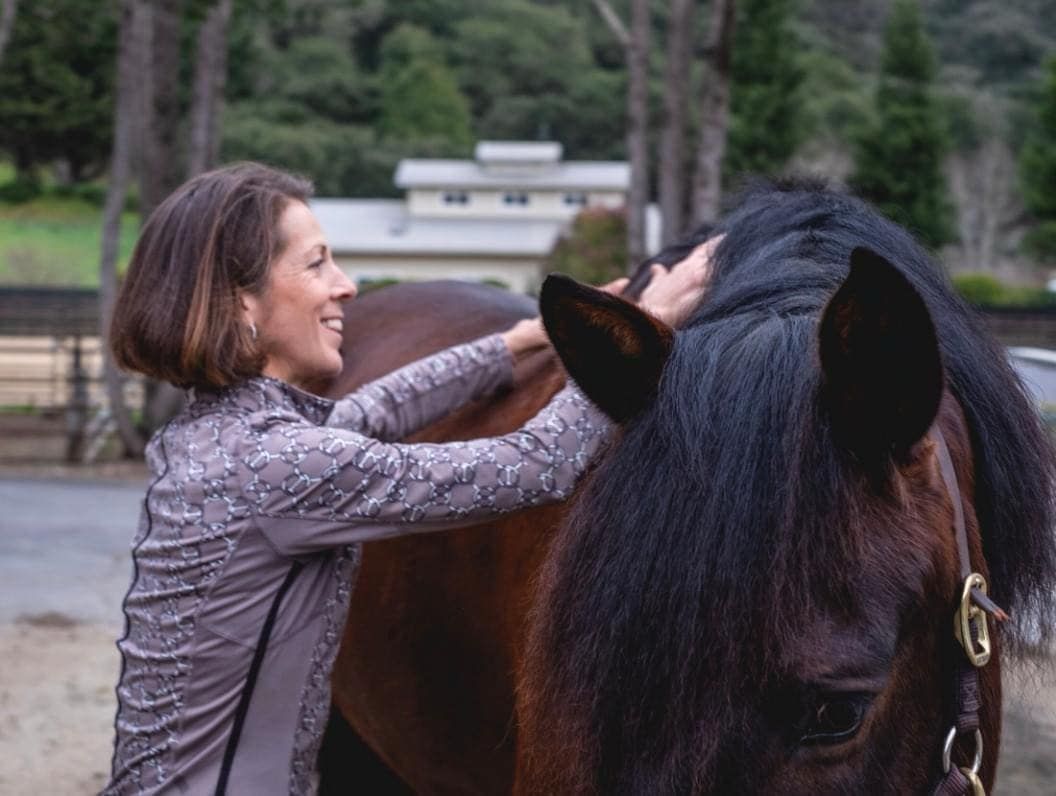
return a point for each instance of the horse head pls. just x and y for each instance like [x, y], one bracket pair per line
[754, 591]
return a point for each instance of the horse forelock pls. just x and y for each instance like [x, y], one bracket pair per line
[726, 505]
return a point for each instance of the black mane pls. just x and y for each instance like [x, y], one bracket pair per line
[736, 480]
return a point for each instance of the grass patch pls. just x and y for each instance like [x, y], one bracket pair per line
[56, 240]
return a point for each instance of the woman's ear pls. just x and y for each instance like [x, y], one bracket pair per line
[249, 307]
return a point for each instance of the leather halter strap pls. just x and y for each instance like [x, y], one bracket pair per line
[949, 477]
[960, 529]
[957, 780]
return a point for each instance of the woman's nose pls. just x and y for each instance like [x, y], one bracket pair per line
[344, 289]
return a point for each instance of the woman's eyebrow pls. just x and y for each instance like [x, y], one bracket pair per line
[321, 248]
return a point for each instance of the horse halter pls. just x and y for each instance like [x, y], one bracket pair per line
[971, 631]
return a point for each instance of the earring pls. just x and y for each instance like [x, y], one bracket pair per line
[253, 331]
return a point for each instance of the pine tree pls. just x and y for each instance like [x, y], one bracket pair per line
[898, 157]
[766, 123]
[56, 86]
[1038, 170]
[420, 97]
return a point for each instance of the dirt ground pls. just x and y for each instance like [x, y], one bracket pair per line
[56, 706]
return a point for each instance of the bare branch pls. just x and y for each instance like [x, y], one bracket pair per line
[7, 22]
[612, 19]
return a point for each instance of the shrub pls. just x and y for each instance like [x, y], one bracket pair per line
[986, 291]
[20, 189]
[979, 288]
[595, 249]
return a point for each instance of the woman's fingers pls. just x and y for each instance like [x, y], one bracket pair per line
[616, 286]
[672, 295]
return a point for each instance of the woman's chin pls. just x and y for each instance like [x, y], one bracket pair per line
[335, 367]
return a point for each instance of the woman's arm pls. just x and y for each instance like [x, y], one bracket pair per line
[419, 394]
[422, 392]
[326, 487]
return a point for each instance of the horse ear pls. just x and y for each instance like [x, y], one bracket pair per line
[614, 351]
[882, 373]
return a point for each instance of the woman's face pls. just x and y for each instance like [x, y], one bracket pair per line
[299, 316]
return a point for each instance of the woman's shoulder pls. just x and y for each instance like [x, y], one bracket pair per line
[247, 434]
[239, 417]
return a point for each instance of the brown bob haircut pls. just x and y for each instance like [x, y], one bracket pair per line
[178, 317]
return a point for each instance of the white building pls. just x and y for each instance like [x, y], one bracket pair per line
[492, 218]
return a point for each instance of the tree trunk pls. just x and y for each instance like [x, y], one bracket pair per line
[160, 169]
[636, 47]
[133, 30]
[7, 23]
[210, 73]
[715, 114]
[638, 131]
[672, 171]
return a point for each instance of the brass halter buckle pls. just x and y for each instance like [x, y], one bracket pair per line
[972, 773]
[968, 616]
[974, 781]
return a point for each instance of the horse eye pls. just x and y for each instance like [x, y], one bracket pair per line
[834, 720]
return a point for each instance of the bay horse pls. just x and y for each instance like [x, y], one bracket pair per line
[754, 590]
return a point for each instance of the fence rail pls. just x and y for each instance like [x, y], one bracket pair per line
[1022, 327]
[38, 372]
[60, 377]
[49, 311]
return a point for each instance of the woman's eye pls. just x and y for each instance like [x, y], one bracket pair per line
[833, 721]
[316, 263]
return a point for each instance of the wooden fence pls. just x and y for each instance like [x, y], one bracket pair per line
[51, 363]
[50, 358]
[38, 372]
[49, 348]
[1022, 327]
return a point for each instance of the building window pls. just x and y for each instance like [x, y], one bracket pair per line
[456, 198]
[515, 198]
[576, 199]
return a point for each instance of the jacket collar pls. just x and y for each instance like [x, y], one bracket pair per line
[263, 393]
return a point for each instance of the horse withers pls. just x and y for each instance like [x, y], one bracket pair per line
[754, 591]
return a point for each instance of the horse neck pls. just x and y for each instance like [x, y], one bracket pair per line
[536, 378]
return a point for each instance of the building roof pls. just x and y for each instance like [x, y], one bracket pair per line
[383, 227]
[531, 152]
[572, 175]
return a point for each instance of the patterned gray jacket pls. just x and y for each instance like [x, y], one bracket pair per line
[248, 546]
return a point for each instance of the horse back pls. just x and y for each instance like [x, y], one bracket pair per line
[424, 675]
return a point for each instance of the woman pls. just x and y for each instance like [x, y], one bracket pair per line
[262, 493]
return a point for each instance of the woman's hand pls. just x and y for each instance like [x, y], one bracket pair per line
[529, 335]
[672, 295]
[524, 337]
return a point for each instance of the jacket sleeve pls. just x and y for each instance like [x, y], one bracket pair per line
[317, 487]
[421, 393]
